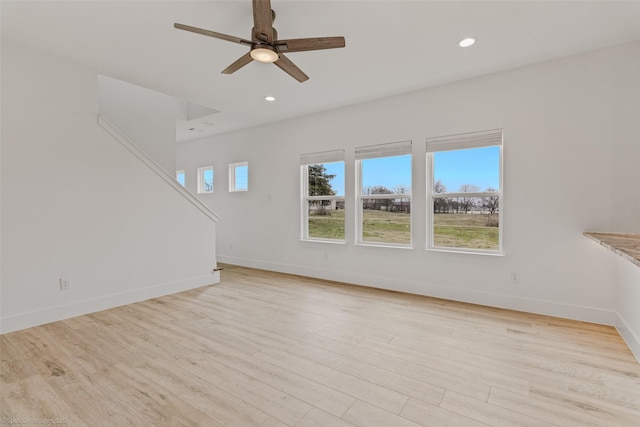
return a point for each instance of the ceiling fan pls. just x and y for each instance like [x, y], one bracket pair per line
[264, 43]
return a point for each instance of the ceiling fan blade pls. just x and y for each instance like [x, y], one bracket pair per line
[263, 20]
[290, 68]
[239, 63]
[315, 43]
[212, 34]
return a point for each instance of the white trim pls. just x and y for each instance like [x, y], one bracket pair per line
[184, 177]
[430, 214]
[201, 181]
[79, 308]
[385, 245]
[155, 167]
[232, 177]
[628, 336]
[318, 240]
[493, 138]
[389, 149]
[312, 198]
[470, 194]
[322, 157]
[387, 196]
[527, 305]
[304, 191]
[466, 251]
[381, 151]
[463, 141]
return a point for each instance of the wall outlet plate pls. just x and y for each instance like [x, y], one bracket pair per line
[65, 284]
[514, 276]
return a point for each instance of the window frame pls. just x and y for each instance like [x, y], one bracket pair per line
[233, 188]
[481, 139]
[307, 160]
[201, 181]
[377, 151]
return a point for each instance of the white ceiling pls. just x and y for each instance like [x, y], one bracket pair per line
[391, 46]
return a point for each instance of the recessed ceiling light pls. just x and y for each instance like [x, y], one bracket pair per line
[466, 42]
[269, 98]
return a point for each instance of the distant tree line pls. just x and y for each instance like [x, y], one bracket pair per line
[320, 185]
[391, 204]
[488, 204]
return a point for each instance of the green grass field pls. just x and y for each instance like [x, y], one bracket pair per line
[327, 226]
[464, 231]
[450, 230]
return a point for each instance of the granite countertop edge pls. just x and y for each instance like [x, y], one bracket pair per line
[627, 245]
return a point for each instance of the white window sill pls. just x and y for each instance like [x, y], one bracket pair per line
[383, 245]
[467, 252]
[331, 242]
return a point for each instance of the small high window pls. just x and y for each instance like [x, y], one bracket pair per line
[180, 177]
[205, 179]
[239, 176]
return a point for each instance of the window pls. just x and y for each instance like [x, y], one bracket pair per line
[180, 177]
[239, 176]
[205, 179]
[322, 177]
[384, 193]
[465, 191]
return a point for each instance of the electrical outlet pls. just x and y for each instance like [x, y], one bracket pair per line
[514, 276]
[65, 284]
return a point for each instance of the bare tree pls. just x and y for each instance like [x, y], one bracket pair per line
[440, 204]
[466, 203]
[491, 203]
[404, 202]
[439, 187]
[376, 203]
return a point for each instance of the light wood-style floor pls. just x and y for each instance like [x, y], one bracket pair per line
[268, 349]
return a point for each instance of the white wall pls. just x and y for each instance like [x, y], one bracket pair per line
[628, 288]
[558, 119]
[626, 197]
[146, 117]
[626, 149]
[77, 204]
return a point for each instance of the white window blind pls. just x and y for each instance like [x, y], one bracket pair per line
[383, 150]
[463, 141]
[323, 157]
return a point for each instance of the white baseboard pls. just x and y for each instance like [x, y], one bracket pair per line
[629, 336]
[544, 307]
[78, 308]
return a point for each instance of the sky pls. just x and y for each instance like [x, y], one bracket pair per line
[477, 166]
[242, 177]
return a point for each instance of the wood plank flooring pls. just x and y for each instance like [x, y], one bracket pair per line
[268, 349]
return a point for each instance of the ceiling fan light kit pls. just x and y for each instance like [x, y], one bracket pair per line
[264, 53]
[467, 42]
[265, 45]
